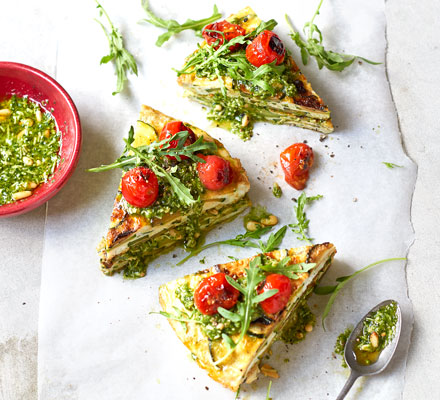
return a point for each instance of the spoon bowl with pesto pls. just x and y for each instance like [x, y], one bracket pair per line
[372, 344]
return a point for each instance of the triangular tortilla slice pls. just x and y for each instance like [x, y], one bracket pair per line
[242, 365]
[132, 240]
[305, 109]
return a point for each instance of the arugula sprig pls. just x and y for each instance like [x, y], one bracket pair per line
[123, 59]
[248, 239]
[151, 154]
[313, 47]
[301, 226]
[246, 308]
[342, 281]
[282, 267]
[213, 63]
[173, 27]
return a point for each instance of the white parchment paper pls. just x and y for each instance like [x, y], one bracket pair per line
[97, 339]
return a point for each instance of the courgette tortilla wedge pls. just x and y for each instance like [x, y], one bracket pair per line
[243, 363]
[233, 110]
[133, 239]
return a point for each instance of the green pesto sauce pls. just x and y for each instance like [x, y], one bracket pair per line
[256, 213]
[378, 331]
[295, 329]
[212, 325]
[230, 112]
[276, 191]
[168, 202]
[29, 146]
[340, 345]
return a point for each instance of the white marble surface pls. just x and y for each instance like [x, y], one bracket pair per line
[412, 64]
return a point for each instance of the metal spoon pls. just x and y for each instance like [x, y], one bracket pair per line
[357, 370]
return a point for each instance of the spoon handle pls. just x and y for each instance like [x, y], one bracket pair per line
[352, 379]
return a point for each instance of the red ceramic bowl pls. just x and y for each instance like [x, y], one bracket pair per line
[21, 80]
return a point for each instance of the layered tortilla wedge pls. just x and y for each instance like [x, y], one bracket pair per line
[243, 363]
[133, 240]
[303, 108]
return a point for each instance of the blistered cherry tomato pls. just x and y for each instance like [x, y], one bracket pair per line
[279, 300]
[296, 161]
[215, 173]
[214, 292]
[229, 30]
[265, 48]
[140, 187]
[170, 129]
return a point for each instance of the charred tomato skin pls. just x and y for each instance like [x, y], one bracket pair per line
[266, 48]
[296, 161]
[229, 30]
[173, 127]
[140, 187]
[215, 173]
[214, 292]
[279, 300]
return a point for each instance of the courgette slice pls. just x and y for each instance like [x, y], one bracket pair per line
[144, 134]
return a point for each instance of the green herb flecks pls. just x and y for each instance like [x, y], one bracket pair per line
[173, 27]
[391, 165]
[313, 47]
[122, 58]
[245, 308]
[301, 226]
[276, 190]
[29, 146]
[152, 154]
[343, 280]
[340, 345]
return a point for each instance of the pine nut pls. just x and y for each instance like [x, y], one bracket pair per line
[31, 185]
[21, 195]
[46, 133]
[38, 115]
[252, 226]
[267, 370]
[27, 161]
[245, 121]
[5, 112]
[270, 221]
[218, 107]
[21, 133]
[374, 339]
[308, 328]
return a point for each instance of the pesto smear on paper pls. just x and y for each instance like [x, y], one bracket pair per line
[29, 147]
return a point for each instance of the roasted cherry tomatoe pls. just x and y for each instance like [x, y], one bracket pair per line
[170, 129]
[140, 187]
[215, 173]
[214, 292]
[267, 47]
[228, 32]
[279, 300]
[296, 162]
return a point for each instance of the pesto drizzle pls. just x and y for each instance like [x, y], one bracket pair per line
[29, 146]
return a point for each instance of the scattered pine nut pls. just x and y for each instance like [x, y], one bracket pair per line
[21, 195]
